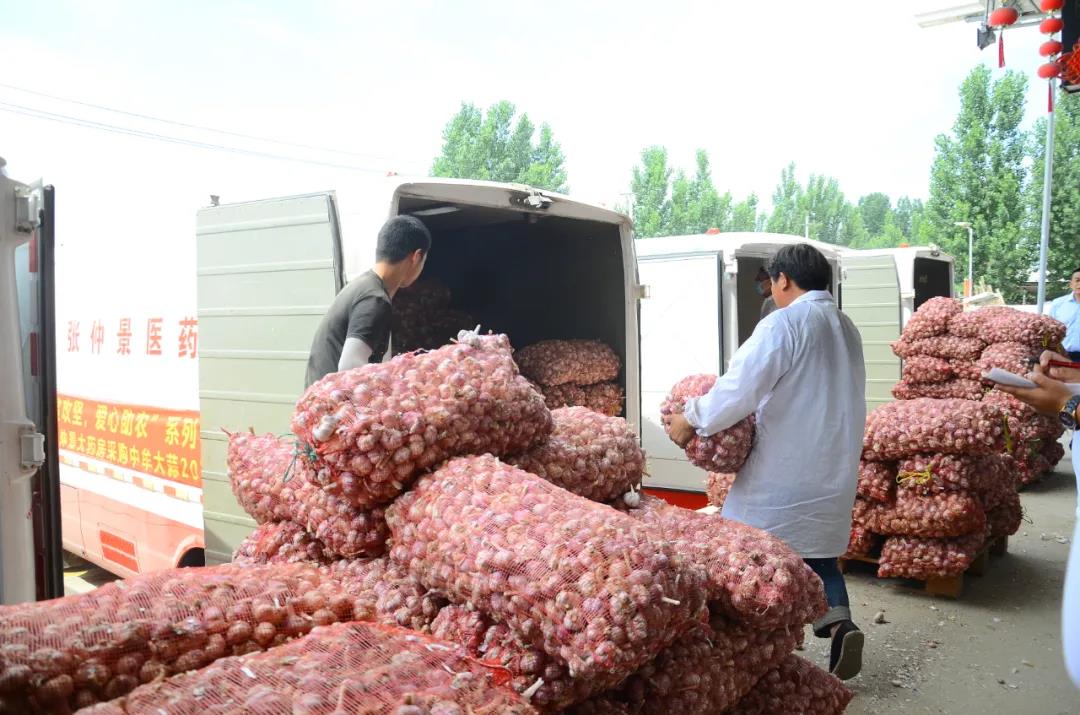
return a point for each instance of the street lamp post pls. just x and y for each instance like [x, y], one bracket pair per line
[969, 284]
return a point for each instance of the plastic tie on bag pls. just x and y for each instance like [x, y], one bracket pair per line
[920, 477]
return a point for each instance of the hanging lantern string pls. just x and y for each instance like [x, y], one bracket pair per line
[1001, 18]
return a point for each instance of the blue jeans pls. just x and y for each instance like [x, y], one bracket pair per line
[835, 593]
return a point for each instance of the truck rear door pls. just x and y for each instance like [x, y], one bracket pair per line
[680, 336]
[267, 271]
[872, 301]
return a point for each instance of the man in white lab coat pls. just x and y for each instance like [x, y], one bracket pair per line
[802, 373]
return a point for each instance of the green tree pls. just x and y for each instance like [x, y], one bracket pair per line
[744, 215]
[908, 217]
[875, 209]
[495, 148]
[650, 186]
[1064, 253]
[828, 211]
[787, 216]
[978, 175]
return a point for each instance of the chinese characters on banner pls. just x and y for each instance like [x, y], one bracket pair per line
[151, 440]
[161, 338]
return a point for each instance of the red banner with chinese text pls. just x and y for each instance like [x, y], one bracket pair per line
[152, 440]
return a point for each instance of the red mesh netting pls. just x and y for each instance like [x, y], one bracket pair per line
[950, 389]
[384, 592]
[989, 477]
[281, 542]
[948, 347]
[877, 480]
[1013, 357]
[604, 397]
[923, 368]
[910, 427]
[371, 430]
[966, 370]
[922, 558]
[578, 579]
[938, 515]
[270, 484]
[717, 487]
[1005, 519]
[576, 362]
[725, 451]
[1024, 422]
[796, 686]
[74, 651]
[589, 454]
[1052, 451]
[1000, 324]
[753, 577]
[932, 318]
[707, 671]
[343, 668]
[862, 541]
[544, 679]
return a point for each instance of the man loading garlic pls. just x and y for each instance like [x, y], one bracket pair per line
[802, 373]
[356, 328]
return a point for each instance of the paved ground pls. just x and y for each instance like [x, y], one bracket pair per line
[996, 649]
[81, 576]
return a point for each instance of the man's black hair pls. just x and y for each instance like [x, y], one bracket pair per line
[400, 237]
[1075, 271]
[803, 264]
[762, 275]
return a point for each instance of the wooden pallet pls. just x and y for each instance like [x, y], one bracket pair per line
[950, 587]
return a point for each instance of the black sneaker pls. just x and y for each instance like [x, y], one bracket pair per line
[845, 658]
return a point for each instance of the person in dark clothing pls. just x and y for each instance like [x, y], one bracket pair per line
[356, 329]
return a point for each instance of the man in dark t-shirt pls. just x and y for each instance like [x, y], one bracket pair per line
[356, 329]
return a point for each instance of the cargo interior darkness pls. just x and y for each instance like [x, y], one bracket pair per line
[931, 280]
[531, 276]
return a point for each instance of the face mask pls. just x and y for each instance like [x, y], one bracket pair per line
[760, 288]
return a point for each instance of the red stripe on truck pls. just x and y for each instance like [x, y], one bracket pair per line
[118, 558]
[117, 543]
[33, 253]
[687, 500]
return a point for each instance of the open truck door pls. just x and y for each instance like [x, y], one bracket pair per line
[31, 561]
[681, 329]
[872, 301]
[267, 272]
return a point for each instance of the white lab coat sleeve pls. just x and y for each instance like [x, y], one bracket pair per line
[1070, 602]
[754, 371]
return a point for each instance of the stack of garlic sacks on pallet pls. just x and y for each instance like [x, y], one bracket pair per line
[395, 540]
[571, 373]
[940, 471]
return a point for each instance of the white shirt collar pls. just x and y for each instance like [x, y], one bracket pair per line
[812, 295]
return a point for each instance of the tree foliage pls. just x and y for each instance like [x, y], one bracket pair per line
[493, 147]
[978, 176]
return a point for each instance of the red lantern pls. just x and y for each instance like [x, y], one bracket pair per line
[1050, 48]
[1051, 5]
[1049, 70]
[1003, 17]
[1051, 25]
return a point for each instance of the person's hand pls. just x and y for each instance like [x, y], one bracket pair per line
[1048, 396]
[1061, 374]
[679, 429]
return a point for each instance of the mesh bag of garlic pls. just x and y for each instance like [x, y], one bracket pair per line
[948, 347]
[796, 686]
[753, 577]
[910, 427]
[924, 368]
[270, 483]
[379, 590]
[877, 480]
[589, 454]
[1000, 324]
[945, 514]
[862, 541]
[932, 318]
[960, 389]
[924, 558]
[367, 433]
[279, 542]
[725, 451]
[343, 668]
[58, 656]
[574, 362]
[717, 487]
[577, 579]
[604, 397]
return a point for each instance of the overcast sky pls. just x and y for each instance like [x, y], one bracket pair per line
[854, 89]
